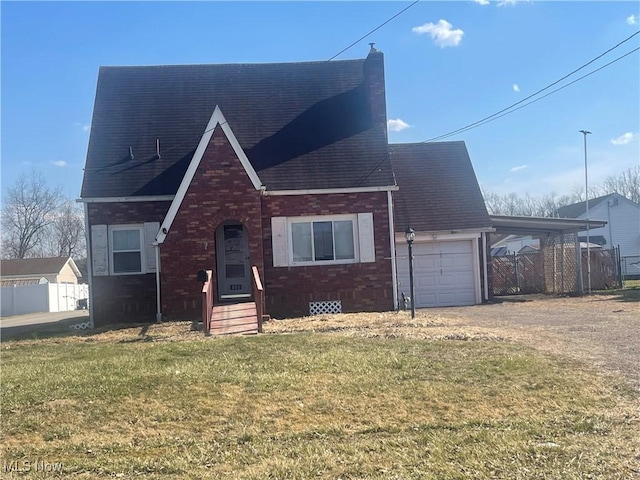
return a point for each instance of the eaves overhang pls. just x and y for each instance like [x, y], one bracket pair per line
[536, 225]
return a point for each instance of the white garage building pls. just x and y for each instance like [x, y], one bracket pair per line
[440, 199]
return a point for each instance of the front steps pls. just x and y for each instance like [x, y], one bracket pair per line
[234, 319]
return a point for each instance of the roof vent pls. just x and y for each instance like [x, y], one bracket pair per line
[373, 48]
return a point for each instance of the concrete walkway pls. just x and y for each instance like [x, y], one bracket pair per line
[48, 323]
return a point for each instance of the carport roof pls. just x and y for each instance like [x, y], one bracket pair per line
[537, 225]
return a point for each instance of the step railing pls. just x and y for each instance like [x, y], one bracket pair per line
[207, 302]
[258, 296]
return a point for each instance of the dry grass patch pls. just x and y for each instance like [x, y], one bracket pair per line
[382, 325]
[358, 404]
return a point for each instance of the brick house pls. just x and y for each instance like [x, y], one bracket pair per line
[285, 167]
[223, 167]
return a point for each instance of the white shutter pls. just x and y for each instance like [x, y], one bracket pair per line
[150, 231]
[279, 241]
[365, 238]
[99, 250]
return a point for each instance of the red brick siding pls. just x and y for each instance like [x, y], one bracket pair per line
[374, 81]
[220, 191]
[360, 286]
[127, 212]
[124, 298]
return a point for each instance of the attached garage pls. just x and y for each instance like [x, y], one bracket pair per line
[439, 198]
[446, 273]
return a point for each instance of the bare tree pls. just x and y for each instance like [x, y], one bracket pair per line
[66, 232]
[626, 184]
[29, 208]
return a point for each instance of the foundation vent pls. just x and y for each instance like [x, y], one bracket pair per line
[331, 306]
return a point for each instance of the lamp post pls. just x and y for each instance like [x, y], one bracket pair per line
[411, 236]
[586, 195]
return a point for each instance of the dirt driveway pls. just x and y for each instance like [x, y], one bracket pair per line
[599, 330]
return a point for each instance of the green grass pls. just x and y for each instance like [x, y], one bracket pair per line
[630, 292]
[311, 406]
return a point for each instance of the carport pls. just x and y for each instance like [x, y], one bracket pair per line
[556, 268]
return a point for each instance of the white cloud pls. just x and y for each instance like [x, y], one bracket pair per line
[624, 138]
[516, 87]
[518, 168]
[59, 163]
[397, 125]
[442, 33]
[482, 2]
[85, 128]
[632, 19]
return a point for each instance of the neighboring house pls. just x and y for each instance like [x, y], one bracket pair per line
[40, 285]
[440, 199]
[623, 222]
[514, 244]
[29, 271]
[280, 166]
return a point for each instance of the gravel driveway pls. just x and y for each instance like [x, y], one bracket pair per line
[601, 330]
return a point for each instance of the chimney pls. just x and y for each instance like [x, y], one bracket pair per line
[374, 84]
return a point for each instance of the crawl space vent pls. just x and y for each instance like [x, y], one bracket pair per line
[332, 306]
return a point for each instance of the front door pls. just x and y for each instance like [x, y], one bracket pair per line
[232, 253]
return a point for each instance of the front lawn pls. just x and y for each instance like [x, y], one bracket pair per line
[309, 405]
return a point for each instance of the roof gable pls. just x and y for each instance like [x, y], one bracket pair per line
[438, 190]
[36, 266]
[576, 210]
[305, 125]
[217, 119]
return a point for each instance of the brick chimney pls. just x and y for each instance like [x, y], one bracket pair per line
[374, 83]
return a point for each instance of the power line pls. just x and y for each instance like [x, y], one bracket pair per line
[534, 100]
[374, 30]
[467, 127]
[502, 113]
[336, 55]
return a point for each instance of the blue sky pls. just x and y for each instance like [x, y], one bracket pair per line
[448, 64]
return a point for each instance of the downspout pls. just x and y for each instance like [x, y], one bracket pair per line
[485, 273]
[158, 304]
[87, 234]
[392, 241]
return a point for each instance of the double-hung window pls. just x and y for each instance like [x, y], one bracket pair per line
[323, 241]
[126, 249]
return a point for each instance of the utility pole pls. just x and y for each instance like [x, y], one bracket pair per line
[586, 195]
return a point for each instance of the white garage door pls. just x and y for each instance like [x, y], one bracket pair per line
[444, 273]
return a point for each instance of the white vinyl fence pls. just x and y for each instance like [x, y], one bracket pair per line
[48, 297]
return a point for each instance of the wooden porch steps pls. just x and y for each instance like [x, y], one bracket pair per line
[234, 319]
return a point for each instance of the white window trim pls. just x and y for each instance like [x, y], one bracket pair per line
[143, 263]
[323, 218]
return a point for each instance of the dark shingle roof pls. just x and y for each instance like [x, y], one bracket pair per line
[438, 188]
[32, 266]
[302, 125]
[576, 209]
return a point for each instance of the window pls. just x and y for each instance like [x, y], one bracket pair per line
[323, 241]
[334, 239]
[126, 249]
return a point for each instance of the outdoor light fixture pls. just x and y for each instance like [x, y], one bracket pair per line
[411, 236]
